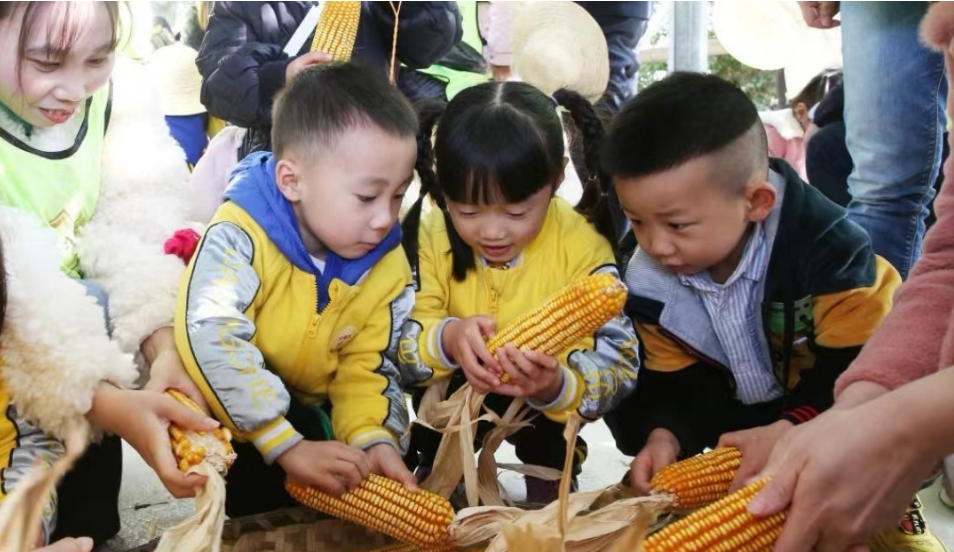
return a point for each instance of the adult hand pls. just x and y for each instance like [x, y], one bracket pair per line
[304, 61]
[820, 15]
[662, 448]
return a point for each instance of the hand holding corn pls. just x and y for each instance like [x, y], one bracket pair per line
[329, 466]
[386, 460]
[464, 341]
[575, 312]
[756, 445]
[661, 450]
[529, 374]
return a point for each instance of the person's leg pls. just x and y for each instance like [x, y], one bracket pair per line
[543, 444]
[894, 94]
[88, 496]
[255, 487]
[623, 25]
[828, 163]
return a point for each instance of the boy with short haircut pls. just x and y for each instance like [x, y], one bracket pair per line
[751, 292]
[291, 311]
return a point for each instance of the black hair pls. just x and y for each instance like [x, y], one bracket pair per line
[817, 88]
[322, 102]
[60, 37]
[502, 141]
[683, 117]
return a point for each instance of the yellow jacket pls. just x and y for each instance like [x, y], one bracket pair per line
[598, 371]
[257, 321]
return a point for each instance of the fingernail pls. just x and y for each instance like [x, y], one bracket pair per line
[85, 543]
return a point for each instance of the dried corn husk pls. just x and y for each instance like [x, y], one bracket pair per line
[456, 419]
[21, 513]
[562, 526]
[203, 531]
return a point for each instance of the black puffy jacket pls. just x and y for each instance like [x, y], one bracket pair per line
[243, 65]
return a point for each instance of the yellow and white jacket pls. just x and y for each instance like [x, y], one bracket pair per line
[599, 371]
[257, 321]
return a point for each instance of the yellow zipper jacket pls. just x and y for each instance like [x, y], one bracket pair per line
[257, 321]
[599, 370]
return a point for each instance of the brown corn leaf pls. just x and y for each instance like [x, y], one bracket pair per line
[448, 467]
[466, 439]
[512, 421]
[569, 435]
[540, 472]
[202, 532]
[531, 536]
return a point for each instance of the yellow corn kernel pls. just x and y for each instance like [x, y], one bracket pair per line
[724, 526]
[337, 29]
[700, 480]
[571, 314]
[191, 448]
[386, 506]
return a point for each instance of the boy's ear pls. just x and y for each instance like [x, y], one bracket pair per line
[760, 196]
[286, 177]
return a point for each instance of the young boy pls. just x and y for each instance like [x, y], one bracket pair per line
[291, 311]
[750, 291]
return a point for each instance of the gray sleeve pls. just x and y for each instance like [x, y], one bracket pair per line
[398, 419]
[222, 286]
[32, 446]
[609, 370]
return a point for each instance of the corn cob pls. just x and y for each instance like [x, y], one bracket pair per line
[572, 313]
[724, 526]
[191, 448]
[700, 480]
[386, 506]
[337, 29]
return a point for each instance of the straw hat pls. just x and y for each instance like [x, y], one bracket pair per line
[559, 45]
[173, 68]
[773, 35]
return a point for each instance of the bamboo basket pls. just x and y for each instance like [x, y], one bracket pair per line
[297, 530]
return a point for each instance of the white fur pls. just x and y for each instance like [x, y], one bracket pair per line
[143, 201]
[54, 347]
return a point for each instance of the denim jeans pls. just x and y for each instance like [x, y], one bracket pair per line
[894, 113]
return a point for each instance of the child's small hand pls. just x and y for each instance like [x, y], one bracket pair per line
[464, 341]
[386, 461]
[532, 374]
[662, 449]
[304, 61]
[330, 466]
[756, 445]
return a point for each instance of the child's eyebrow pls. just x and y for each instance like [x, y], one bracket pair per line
[672, 213]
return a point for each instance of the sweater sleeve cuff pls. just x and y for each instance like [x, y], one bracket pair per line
[271, 79]
[435, 345]
[367, 438]
[565, 399]
[800, 415]
[275, 439]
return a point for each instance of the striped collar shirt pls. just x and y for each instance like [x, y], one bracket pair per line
[733, 309]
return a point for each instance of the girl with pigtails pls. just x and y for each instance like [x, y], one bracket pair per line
[498, 244]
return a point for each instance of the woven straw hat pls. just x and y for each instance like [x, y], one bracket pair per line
[559, 45]
[178, 79]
